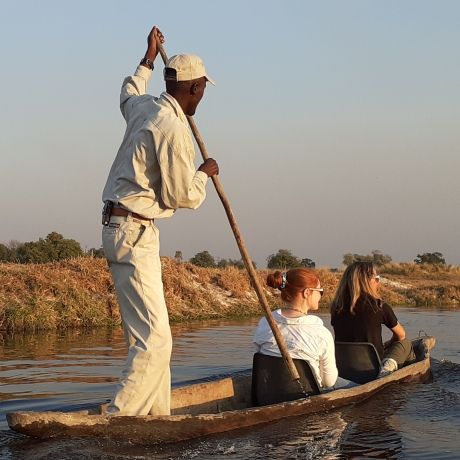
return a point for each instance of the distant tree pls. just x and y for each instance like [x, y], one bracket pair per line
[433, 258]
[238, 263]
[93, 252]
[307, 263]
[32, 252]
[54, 247]
[376, 257]
[178, 256]
[61, 248]
[203, 259]
[223, 263]
[348, 259]
[282, 260]
[5, 253]
[13, 246]
[379, 259]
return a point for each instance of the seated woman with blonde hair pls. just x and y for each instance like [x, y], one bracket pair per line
[306, 336]
[358, 312]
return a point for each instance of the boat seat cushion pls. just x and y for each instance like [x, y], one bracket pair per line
[272, 383]
[357, 361]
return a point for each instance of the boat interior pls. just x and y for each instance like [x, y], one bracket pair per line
[252, 388]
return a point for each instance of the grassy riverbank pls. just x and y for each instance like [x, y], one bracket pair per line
[80, 293]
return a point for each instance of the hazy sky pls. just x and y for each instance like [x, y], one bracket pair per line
[336, 124]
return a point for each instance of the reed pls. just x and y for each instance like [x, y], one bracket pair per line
[79, 293]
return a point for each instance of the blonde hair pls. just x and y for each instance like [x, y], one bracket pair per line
[355, 283]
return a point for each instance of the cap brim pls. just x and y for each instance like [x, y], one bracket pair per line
[208, 78]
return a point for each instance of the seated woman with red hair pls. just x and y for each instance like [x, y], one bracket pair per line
[305, 335]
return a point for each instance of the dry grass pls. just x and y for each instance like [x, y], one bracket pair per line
[201, 293]
[74, 293]
[422, 284]
[79, 293]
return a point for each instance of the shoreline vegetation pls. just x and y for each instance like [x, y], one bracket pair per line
[79, 293]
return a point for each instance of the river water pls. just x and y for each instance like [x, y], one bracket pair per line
[75, 369]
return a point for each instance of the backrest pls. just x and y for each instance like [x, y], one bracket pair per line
[357, 361]
[272, 383]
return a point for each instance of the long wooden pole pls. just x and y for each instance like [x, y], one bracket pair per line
[242, 247]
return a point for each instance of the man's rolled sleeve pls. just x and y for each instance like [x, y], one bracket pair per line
[201, 177]
[134, 85]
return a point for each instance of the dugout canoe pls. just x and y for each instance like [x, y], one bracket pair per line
[208, 407]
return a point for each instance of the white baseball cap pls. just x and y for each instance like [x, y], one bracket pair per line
[185, 67]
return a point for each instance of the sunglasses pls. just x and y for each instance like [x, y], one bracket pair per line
[320, 290]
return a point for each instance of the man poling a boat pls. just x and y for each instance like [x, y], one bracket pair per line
[152, 176]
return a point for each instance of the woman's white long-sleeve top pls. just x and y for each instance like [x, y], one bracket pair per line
[306, 338]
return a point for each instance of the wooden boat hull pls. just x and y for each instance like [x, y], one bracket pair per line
[205, 410]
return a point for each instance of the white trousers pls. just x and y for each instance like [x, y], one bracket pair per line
[132, 248]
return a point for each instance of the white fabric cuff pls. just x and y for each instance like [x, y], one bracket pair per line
[202, 176]
[143, 72]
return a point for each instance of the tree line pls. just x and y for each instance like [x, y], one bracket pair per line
[379, 259]
[50, 249]
[55, 247]
[284, 259]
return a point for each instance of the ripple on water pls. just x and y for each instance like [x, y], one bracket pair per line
[431, 418]
[417, 421]
[408, 421]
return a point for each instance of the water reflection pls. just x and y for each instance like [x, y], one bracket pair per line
[370, 432]
[82, 366]
[78, 368]
[217, 348]
[75, 366]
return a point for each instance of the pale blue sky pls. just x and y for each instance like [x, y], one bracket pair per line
[335, 124]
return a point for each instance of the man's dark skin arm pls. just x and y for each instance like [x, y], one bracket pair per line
[154, 37]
